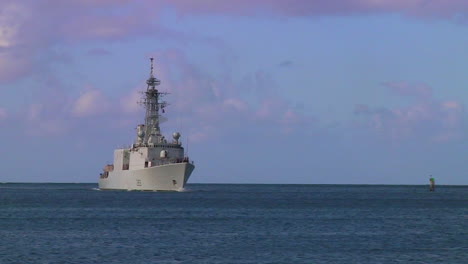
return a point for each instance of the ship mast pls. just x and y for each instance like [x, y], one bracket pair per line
[153, 105]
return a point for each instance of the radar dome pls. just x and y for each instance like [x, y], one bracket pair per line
[176, 135]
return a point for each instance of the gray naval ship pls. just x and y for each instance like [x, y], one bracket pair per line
[152, 163]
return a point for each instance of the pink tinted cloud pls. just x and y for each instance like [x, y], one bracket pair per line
[42, 119]
[236, 104]
[13, 65]
[445, 8]
[30, 29]
[93, 3]
[3, 114]
[53, 114]
[98, 52]
[128, 102]
[216, 106]
[14, 57]
[113, 27]
[271, 108]
[205, 105]
[427, 119]
[421, 91]
[91, 102]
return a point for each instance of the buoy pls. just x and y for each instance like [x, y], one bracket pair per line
[431, 184]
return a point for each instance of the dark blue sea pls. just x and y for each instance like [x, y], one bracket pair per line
[215, 223]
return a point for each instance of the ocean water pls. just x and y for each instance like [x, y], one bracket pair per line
[211, 223]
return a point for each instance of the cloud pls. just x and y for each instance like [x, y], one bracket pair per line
[268, 109]
[56, 114]
[98, 52]
[94, 3]
[129, 102]
[32, 30]
[201, 104]
[236, 104]
[3, 114]
[112, 27]
[428, 119]
[446, 9]
[43, 120]
[15, 59]
[91, 102]
[13, 65]
[34, 112]
[213, 107]
[286, 63]
[11, 17]
[421, 91]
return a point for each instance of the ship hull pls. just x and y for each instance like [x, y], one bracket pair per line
[169, 177]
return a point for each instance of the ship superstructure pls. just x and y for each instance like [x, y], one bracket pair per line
[152, 163]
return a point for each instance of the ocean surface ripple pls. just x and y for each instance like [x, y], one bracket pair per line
[234, 223]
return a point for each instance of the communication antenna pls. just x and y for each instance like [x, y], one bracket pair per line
[186, 153]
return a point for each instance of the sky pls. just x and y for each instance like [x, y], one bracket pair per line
[262, 91]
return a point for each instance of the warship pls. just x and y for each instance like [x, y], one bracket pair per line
[152, 163]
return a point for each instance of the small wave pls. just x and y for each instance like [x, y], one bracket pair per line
[131, 190]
